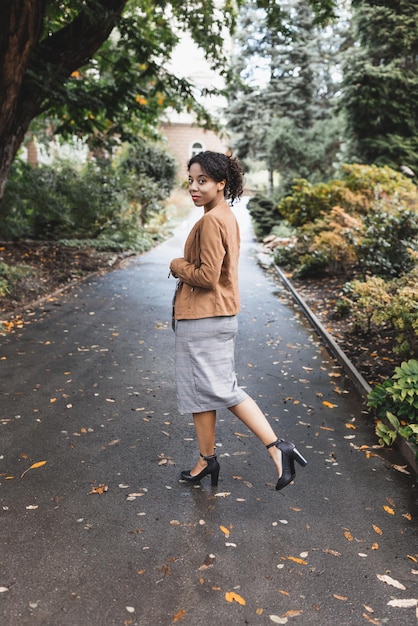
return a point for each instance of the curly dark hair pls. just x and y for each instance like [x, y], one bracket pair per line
[221, 167]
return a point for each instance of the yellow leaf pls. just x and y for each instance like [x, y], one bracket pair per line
[350, 426]
[292, 613]
[224, 530]
[389, 510]
[375, 546]
[179, 615]
[231, 596]
[329, 404]
[259, 611]
[297, 560]
[34, 466]
[377, 530]
[326, 428]
[100, 489]
[408, 516]
[348, 535]
[52, 400]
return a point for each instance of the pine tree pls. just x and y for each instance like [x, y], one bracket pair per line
[380, 95]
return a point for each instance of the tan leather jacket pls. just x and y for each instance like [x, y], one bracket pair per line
[209, 269]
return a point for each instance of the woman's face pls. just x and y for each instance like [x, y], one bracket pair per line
[205, 191]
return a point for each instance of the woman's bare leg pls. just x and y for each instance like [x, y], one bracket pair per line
[252, 416]
[204, 424]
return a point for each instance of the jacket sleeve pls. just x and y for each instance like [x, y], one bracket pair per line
[206, 272]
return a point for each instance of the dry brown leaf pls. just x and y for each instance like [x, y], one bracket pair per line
[259, 611]
[406, 603]
[348, 425]
[401, 468]
[377, 530]
[231, 596]
[407, 516]
[283, 592]
[292, 613]
[100, 489]
[333, 552]
[412, 558]
[372, 620]
[348, 535]
[390, 581]
[179, 615]
[338, 597]
[375, 546]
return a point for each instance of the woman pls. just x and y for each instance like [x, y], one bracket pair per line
[206, 304]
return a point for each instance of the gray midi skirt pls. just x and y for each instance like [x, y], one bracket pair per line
[205, 364]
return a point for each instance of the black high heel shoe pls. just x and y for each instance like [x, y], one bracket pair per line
[290, 454]
[212, 469]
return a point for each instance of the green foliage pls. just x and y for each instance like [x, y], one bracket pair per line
[380, 85]
[96, 202]
[395, 403]
[387, 242]
[10, 276]
[264, 212]
[286, 121]
[376, 303]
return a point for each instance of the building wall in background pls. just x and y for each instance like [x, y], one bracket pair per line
[183, 140]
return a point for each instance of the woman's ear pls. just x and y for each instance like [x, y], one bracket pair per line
[221, 185]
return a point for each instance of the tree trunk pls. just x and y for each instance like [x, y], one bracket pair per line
[24, 91]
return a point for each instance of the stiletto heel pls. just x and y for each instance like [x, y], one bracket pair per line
[290, 454]
[212, 469]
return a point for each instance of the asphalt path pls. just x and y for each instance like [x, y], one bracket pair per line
[96, 528]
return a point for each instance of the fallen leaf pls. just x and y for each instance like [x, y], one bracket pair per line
[333, 552]
[377, 530]
[222, 494]
[407, 516]
[412, 558]
[348, 425]
[297, 560]
[99, 490]
[389, 510]
[337, 597]
[401, 468]
[224, 530]
[372, 620]
[292, 613]
[348, 535]
[278, 620]
[231, 596]
[3, 589]
[179, 615]
[34, 466]
[330, 405]
[375, 546]
[390, 581]
[404, 603]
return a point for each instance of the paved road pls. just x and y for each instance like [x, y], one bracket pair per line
[88, 386]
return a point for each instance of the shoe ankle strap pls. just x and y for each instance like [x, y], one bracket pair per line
[270, 445]
[206, 458]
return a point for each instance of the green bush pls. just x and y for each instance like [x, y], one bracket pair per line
[97, 200]
[386, 245]
[395, 403]
[265, 214]
[378, 304]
